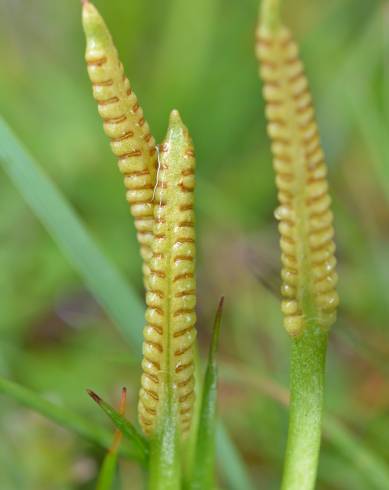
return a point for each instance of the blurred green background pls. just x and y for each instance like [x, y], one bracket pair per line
[197, 57]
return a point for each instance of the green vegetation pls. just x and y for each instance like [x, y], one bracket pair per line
[62, 297]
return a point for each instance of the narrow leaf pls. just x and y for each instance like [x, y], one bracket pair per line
[368, 463]
[119, 300]
[230, 462]
[107, 474]
[204, 465]
[124, 425]
[62, 416]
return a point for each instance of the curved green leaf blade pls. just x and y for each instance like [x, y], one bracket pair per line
[230, 462]
[124, 425]
[105, 283]
[62, 416]
[203, 477]
[371, 466]
[107, 473]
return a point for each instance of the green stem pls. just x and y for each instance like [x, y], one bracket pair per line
[305, 419]
[270, 14]
[165, 464]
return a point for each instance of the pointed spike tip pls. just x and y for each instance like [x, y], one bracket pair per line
[177, 126]
[94, 396]
[177, 132]
[221, 304]
[216, 331]
[123, 398]
[94, 26]
[175, 118]
[89, 10]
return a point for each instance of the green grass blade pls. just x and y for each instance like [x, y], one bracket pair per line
[100, 276]
[370, 465]
[204, 465]
[62, 416]
[366, 462]
[372, 127]
[107, 474]
[124, 425]
[230, 463]
[107, 479]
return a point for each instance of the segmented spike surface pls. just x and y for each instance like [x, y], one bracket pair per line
[305, 219]
[124, 124]
[170, 333]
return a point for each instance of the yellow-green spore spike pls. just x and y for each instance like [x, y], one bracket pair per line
[305, 219]
[169, 334]
[124, 123]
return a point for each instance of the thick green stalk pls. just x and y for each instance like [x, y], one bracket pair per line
[165, 461]
[306, 408]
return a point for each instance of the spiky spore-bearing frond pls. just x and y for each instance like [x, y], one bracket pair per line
[124, 124]
[169, 334]
[305, 219]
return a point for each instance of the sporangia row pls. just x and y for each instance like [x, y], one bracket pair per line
[305, 219]
[124, 124]
[169, 333]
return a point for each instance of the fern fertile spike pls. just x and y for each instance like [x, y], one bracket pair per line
[169, 334]
[125, 125]
[305, 219]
